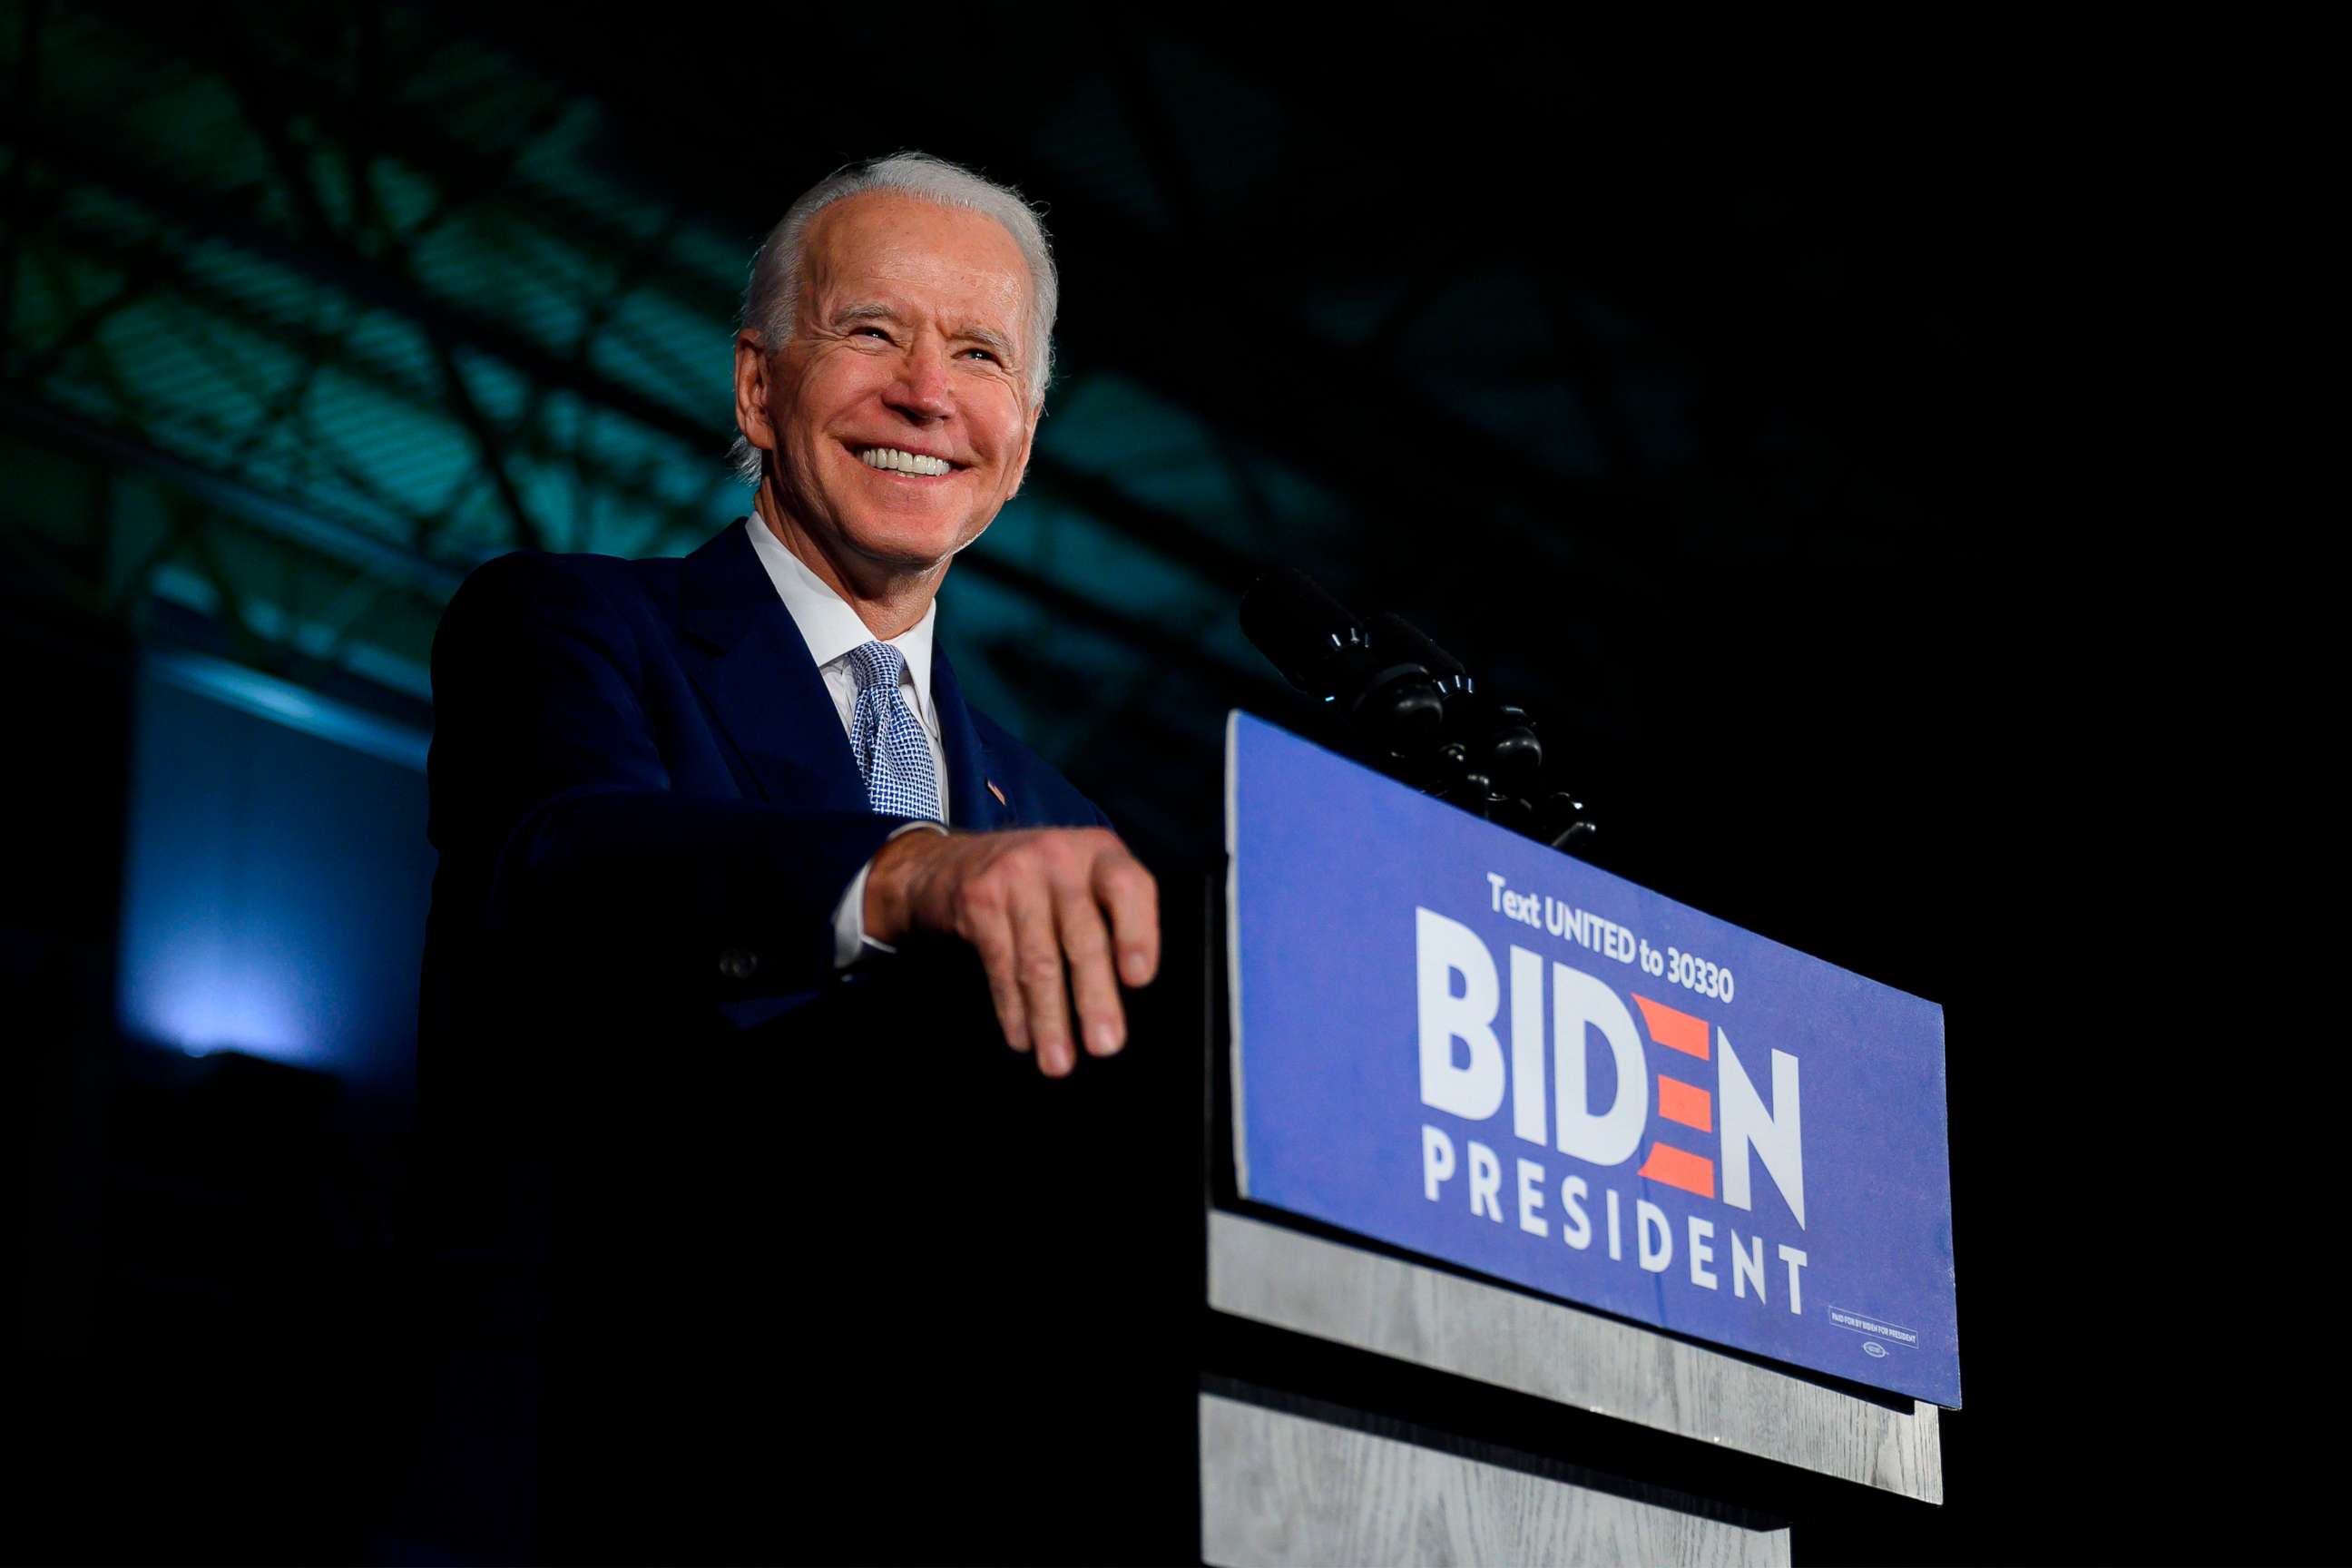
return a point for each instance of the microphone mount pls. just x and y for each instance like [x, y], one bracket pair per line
[1387, 699]
[1392, 698]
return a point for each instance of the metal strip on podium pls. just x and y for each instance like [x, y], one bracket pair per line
[1281, 1487]
[1369, 1301]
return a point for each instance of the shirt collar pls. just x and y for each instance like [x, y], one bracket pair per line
[827, 624]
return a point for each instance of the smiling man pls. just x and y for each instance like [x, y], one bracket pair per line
[714, 765]
[888, 382]
[675, 1108]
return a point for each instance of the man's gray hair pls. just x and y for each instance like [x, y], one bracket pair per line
[771, 302]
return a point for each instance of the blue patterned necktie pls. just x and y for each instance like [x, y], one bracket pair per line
[887, 739]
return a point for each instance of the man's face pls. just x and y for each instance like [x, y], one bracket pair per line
[913, 331]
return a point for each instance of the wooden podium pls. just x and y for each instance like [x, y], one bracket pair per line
[1362, 1402]
[1286, 1482]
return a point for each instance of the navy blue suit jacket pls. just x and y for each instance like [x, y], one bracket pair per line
[635, 1049]
[638, 762]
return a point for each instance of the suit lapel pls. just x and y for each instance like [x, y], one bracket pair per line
[969, 801]
[750, 663]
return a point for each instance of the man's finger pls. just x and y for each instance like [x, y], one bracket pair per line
[1039, 969]
[1085, 943]
[991, 935]
[1129, 892]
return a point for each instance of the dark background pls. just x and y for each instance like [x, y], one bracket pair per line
[1818, 433]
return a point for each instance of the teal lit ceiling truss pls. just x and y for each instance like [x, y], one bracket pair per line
[311, 311]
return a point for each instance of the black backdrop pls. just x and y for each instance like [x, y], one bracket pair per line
[1930, 656]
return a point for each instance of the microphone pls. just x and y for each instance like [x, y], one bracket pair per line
[1492, 739]
[1490, 743]
[1324, 650]
[1417, 705]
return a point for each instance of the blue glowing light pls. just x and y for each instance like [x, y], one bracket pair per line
[285, 703]
[276, 873]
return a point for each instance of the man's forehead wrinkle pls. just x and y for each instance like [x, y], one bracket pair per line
[904, 230]
[880, 255]
[954, 326]
[955, 323]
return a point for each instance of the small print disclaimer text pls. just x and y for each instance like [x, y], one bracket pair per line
[1876, 1329]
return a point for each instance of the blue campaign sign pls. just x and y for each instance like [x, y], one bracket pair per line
[1455, 1040]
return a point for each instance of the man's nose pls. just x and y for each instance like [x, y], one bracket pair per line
[921, 391]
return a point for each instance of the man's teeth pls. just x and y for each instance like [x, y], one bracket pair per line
[903, 462]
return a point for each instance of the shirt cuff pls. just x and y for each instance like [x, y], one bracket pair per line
[850, 941]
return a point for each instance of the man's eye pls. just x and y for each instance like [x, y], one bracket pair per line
[988, 354]
[869, 331]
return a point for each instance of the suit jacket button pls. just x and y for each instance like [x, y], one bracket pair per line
[738, 965]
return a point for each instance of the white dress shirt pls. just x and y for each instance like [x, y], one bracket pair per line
[832, 631]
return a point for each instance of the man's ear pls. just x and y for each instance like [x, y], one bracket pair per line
[751, 391]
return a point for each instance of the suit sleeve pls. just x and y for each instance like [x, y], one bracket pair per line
[553, 809]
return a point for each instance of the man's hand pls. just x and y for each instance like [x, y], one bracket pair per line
[1033, 903]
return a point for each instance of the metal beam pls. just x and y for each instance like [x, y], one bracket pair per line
[433, 152]
[339, 541]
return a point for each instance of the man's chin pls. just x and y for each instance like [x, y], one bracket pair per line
[902, 553]
[866, 544]
[894, 543]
